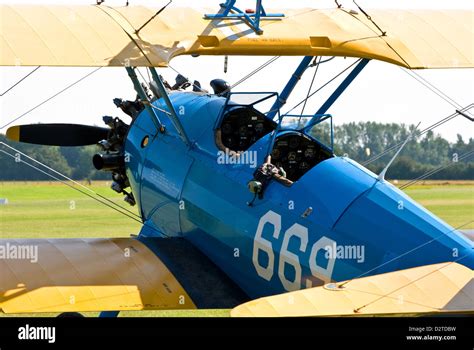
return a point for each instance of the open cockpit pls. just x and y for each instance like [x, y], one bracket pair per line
[292, 148]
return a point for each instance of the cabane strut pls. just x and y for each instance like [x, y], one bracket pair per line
[251, 17]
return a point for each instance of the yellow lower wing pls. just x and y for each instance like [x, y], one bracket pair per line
[85, 275]
[440, 288]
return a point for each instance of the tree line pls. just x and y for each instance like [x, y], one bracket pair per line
[74, 162]
[360, 141]
[364, 141]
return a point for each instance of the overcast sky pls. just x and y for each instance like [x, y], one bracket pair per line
[382, 92]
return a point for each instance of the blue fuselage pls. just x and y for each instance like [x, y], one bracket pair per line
[335, 223]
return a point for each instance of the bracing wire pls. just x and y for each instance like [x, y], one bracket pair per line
[117, 207]
[411, 282]
[67, 178]
[431, 127]
[431, 87]
[71, 186]
[405, 253]
[310, 88]
[255, 71]
[51, 97]
[437, 170]
[370, 18]
[192, 84]
[323, 86]
[19, 81]
[240, 81]
[143, 77]
[158, 108]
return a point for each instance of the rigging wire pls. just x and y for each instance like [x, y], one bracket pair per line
[69, 185]
[141, 74]
[369, 18]
[147, 84]
[324, 85]
[68, 178]
[309, 89]
[405, 253]
[189, 81]
[321, 62]
[436, 170]
[432, 88]
[431, 127]
[157, 108]
[134, 217]
[249, 75]
[146, 102]
[255, 71]
[148, 74]
[19, 81]
[411, 282]
[51, 97]
[439, 93]
[152, 17]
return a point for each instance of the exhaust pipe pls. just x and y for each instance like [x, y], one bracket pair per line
[108, 162]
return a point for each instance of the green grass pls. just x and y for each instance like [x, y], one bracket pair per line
[54, 210]
[454, 203]
[160, 313]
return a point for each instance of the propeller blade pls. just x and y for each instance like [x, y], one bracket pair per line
[57, 134]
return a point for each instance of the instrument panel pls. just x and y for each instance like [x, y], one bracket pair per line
[296, 154]
[243, 126]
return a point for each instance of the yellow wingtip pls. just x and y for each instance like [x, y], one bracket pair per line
[13, 133]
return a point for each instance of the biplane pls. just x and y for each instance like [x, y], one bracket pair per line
[241, 208]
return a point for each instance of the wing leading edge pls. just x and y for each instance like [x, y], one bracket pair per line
[105, 36]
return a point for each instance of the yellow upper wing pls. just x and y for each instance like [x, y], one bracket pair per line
[105, 36]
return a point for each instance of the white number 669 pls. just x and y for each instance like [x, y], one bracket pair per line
[264, 246]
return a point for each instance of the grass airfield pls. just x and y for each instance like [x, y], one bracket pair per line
[54, 210]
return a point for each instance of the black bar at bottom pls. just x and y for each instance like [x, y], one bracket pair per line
[410, 332]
